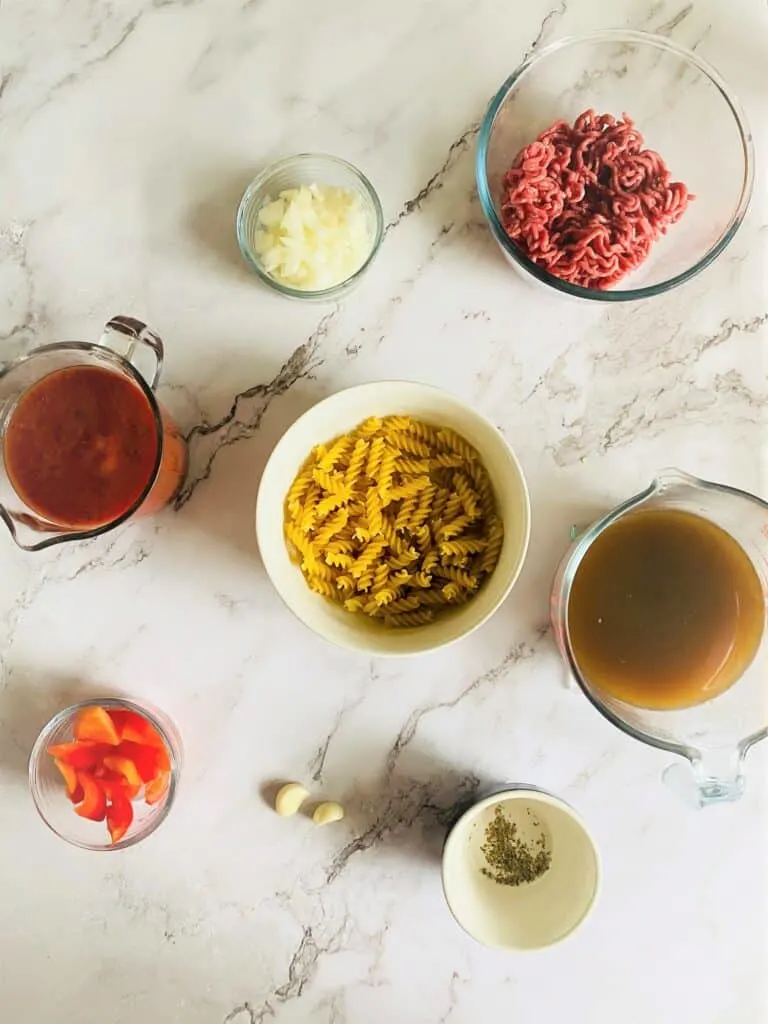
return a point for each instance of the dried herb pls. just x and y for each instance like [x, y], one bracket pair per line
[512, 861]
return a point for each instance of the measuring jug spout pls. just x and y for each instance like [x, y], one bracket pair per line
[671, 477]
[711, 777]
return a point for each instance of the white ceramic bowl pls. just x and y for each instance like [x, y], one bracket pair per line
[340, 413]
[533, 915]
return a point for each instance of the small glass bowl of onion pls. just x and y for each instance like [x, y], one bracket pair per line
[310, 226]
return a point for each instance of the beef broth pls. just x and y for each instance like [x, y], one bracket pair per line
[81, 446]
[666, 610]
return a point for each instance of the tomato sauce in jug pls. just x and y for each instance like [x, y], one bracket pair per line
[81, 446]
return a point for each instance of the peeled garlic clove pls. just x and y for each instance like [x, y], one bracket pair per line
[327, 812]
[289, 798]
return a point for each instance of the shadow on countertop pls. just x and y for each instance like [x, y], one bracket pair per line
[409, 812]
[29, 699]
[224, 510]
[212, 220]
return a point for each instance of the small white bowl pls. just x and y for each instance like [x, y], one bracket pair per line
[528, 916]
[343, 412]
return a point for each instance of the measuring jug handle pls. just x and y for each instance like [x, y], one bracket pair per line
[132, 339]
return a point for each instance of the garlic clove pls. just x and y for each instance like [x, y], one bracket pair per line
[327, 812]
[289, 799]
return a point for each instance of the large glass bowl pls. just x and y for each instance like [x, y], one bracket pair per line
[49, 794]
[678, 102]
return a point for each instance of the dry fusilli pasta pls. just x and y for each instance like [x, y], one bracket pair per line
[396, 519]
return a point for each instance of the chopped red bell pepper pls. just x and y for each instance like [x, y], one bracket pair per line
[94, 723]
[109, 778]
[116, 754]
[155, 790]
[148, 760]
[94, 802]
[81, 754]
[119, 811]
[136, 729]
[69, 774]
[125, 767]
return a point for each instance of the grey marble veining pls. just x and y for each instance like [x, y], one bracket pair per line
[127, 134]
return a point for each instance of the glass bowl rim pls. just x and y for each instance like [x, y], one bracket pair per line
[261, 180]
[614, 36]
[39, 751]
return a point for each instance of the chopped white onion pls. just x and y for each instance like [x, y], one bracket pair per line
[313, 237]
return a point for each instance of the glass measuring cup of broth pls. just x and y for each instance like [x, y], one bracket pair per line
[659, 610]
[86, 445]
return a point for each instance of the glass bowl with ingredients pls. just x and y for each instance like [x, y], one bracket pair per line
[614, 166]
[310, 226]
[104, 773]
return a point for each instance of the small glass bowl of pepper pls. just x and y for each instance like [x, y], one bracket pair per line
[104, 773]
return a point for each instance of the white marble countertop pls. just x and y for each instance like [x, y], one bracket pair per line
[127, 133]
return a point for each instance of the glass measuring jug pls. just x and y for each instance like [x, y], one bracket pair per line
[86, 445]
[713, 737]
